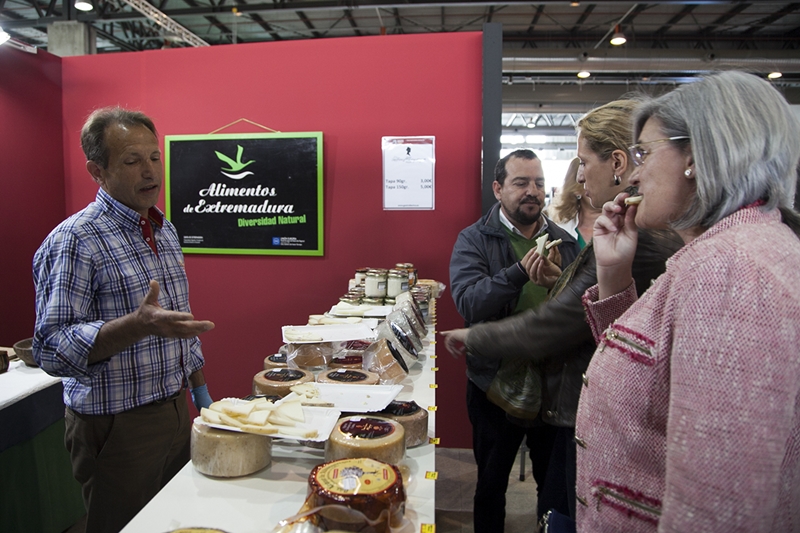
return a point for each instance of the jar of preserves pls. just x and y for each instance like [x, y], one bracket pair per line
[375, 283]
[361, 275]
[397, 282]
[372, 301]
[350, 299]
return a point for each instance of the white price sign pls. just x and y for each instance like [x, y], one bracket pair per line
[408, 172]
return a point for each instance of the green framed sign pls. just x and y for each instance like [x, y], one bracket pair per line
[249, 193]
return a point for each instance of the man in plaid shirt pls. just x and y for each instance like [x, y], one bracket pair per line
[113, 320]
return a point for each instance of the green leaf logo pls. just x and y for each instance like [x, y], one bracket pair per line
[234, 166]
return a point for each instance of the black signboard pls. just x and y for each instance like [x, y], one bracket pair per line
[257, 193]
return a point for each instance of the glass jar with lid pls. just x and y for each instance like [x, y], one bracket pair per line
[372, 301]
[375, 283]
[397, 282]
[361, 275]
[350, 298]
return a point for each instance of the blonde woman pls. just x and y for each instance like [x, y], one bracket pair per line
[571, 209]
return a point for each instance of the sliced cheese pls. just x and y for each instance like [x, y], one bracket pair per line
[541, 242]
[292, 410]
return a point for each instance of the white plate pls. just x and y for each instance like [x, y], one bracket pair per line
[373, 311]
[357, 398]
[323, 419]
[331, 332]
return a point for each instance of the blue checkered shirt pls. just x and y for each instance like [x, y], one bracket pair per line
[95, 267]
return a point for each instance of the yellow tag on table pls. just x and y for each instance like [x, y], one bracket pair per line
[434, 440]
[431, 475]
[434, 369]
[432, 408]
[427, 528]
[433, 386]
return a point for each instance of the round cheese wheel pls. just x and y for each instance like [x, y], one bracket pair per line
[348, 376]
[278, 381]
[276, 360]
[413, 418]
[384, 360]
[220, 453]
[366, 436]
[371, 488]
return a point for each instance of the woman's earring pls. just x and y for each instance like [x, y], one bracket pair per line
[688, 172]
[617, 181]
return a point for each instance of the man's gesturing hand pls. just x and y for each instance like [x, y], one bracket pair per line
[173, 324]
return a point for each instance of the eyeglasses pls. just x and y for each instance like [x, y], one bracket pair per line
[638, 154]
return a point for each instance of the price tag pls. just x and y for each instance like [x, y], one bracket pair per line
[432, 475]
[432, 408]
[434, 369]
[433, 386]
[433, 342]
[427, 528]
[434, 356]
[434, 440]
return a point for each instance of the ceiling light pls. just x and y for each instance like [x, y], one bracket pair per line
[584, 74]
[4, 36]
[574, 4]
[83, 5]
[774, 75]
[618, 38]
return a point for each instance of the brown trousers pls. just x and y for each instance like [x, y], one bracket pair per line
[123, 460]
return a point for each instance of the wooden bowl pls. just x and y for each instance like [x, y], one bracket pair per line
[24, 350]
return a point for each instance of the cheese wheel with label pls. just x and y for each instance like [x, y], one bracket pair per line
[276, 360]
[371, 488]
[366, 436]
[413, 418]
[279, 381]
[348, 376]
[220, 453]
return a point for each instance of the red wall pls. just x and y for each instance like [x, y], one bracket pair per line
[354, 90]
[31, 178]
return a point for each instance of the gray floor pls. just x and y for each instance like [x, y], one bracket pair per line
[454, 489]
[456, 485]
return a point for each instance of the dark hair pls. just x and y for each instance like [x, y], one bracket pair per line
[93, 133]
[500, 168]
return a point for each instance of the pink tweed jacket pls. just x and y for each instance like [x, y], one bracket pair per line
[689, 419]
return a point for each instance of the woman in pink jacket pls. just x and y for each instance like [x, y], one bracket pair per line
[689, 419]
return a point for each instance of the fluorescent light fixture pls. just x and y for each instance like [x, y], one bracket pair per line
[83, 5]
[618, 38]
[774, 75]
[4, 36]
[535, 139]
[512, 139]
[584, 74]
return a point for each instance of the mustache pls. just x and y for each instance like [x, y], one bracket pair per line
[530, 200]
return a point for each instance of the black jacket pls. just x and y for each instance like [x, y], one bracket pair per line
[556, 335]
[486, 280]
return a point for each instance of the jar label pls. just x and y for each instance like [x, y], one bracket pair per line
[348, 360]
[366, 428]
[277, 358]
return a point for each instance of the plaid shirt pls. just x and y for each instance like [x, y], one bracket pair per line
[94, 267]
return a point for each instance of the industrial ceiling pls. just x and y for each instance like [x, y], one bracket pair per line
[545, 44]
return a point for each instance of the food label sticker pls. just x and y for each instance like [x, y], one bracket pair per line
[431, 475]
[434, 440]
[431, 408]
[433, 386]
[427, 528]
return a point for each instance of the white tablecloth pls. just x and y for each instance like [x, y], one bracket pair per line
[256, 503]
[21, 381]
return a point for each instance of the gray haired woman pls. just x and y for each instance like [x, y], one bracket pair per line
[689, 418]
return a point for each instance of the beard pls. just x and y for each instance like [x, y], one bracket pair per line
[525, 217]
